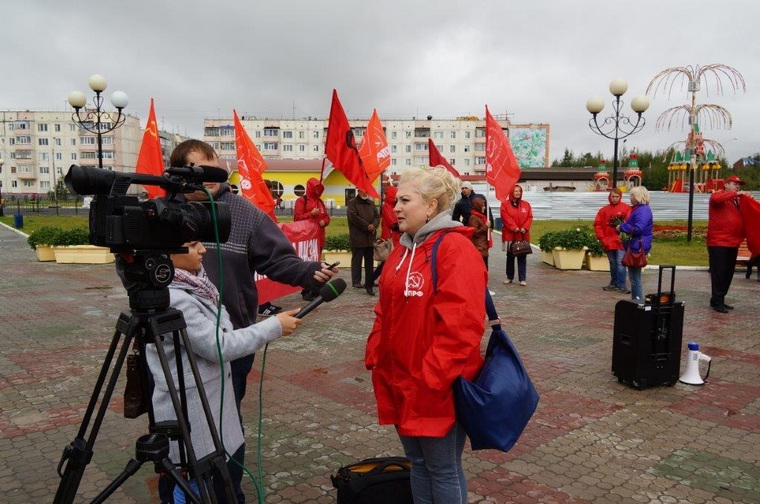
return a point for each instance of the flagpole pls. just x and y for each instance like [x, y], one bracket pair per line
[322, 171]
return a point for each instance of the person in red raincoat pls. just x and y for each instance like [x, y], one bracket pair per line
[388, 224]
[607, 219]
[516, 219]
[424, 338]
[311, 207]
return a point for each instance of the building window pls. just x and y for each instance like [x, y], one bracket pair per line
[408, 134]
[393, 135]
[14, 183]
[43, 156]
[227, 145]
[107, 140]
[438, 134]
[42, 141]
[258, 134]
[59, 156]
[28, 183]
[57, 128]
[299, 190]
[73, 156]
[72, 127]
[211, 131]
[42, 128]
[467, 134]
[408, 162]
[44, 170]
[301, 134]
[58, 142]
[315, 148]
[393, 161]
[316, 134]
[24, 154]
[407, 148]
[453, 161]
[11, 141]
[480, 160]
[480, 147]
[467, 161]
[287, 134]
[24, 140]
[271, 132]
[287, 148]
[44, 184]
[421, 147]
[73, 141]
[108, 155]
[453, 135]
[88, 140]
[301, 148]
[394, 148]
[89, 155]
[480, 132]
[268, 146]
[227, 131]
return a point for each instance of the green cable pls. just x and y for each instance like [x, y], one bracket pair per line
[259, 489]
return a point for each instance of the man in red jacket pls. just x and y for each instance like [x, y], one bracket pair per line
[607, 218]
[725, 232]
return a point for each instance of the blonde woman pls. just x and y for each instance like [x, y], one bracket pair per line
[425, 336]
[639, 226]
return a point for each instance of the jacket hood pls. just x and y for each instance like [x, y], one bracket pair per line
[441, 221]
[314, 188]
[390, 195]
[511, 196]
[617, 191]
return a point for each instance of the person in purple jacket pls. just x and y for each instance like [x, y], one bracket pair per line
[639, 226]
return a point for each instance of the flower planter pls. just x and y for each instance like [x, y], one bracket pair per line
[331, 256]
[44, 253]
[568, 259]
[597, 263]
[82, 254]
[547, 257]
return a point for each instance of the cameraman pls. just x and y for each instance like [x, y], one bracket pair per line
[256, 245]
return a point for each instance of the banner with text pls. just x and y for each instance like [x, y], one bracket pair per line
[304, 235]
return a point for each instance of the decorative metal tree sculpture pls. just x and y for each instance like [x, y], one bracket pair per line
[717, 76]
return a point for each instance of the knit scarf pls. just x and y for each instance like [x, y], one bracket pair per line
[197, 284]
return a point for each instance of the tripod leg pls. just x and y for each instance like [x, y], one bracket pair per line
[78, 454]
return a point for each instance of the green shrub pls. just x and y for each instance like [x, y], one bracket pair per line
[337, 242]
[572, 239]
[76, 236]
[45, 235]
[595, 248]
[546, 241]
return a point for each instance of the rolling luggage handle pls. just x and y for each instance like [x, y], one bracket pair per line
[669, 297]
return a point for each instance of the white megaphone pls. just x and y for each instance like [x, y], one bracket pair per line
[691, 376]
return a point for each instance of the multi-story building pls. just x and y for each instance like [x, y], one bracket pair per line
[37, 148]
[461, 140]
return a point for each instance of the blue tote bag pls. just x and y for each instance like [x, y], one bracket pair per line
[494, 408]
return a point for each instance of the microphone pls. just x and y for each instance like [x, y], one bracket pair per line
[327, 293]
[199, 174]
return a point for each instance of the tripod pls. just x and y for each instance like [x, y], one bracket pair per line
[147, 323]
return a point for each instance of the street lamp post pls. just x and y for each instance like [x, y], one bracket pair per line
[617, 126]
[2, 212]
[91, 119]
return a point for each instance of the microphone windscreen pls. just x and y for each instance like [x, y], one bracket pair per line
[214, 174]
[332, 289]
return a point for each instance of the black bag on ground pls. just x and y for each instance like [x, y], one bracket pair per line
[383, 480]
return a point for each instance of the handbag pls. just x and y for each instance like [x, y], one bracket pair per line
[494, 408]
[382, 249]
[135, 402]
[519, 247]
[374, 480]
[635, 259]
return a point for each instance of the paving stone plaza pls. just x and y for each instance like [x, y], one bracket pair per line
[592, 439]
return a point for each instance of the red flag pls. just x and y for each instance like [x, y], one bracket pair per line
[374, 151]
[340, 148]
[436, 158]
[150, 161]
[502, 169]
[750, 210]
[250, 167]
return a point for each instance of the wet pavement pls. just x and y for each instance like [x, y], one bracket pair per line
[592, 439]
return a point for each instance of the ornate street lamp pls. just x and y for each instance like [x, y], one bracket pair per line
[617, 126]
[2, 212]
[93, 120]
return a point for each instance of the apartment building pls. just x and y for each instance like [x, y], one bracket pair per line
[37, 148]
[460, 140]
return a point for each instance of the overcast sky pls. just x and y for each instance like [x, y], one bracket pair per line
[538, 60]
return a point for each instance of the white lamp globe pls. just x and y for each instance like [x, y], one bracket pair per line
[618, 87]
[119, 99]
[595, 104]
[640, 103]
[97, 83]
[77, 99]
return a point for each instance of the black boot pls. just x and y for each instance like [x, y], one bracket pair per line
[370, 291]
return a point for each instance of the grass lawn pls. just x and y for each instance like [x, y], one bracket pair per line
[675, 251]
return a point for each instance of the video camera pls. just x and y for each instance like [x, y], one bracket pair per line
[126, 225]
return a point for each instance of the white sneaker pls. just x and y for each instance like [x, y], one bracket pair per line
[491, 292]
[523, 283]
[507, 281]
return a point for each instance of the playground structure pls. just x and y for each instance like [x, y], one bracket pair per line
[631, 176]
[696, 155]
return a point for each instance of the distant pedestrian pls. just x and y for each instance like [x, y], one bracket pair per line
[638, 226]
[516, 218]
[725, 232]
[607, 219]
[363, 220]
[388, 224]
[311, 207]
[481, 232]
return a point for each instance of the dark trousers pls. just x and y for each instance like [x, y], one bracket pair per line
[367, 254]
[722, 267]
[522, 267]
